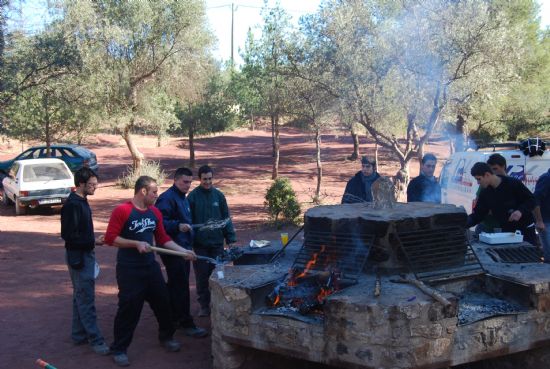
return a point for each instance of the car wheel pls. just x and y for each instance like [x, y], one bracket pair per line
[20, 209]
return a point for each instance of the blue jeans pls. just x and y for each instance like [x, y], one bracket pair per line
[545, 240]
[84, 326]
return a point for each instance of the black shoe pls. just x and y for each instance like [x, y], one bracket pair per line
[171, 345]
[194, 331]
[205, 311]
[121, 359]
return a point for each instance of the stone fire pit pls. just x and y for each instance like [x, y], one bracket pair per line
[402, 327]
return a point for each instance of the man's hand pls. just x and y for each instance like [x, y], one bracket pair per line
[541, 227]
[143, 247]
[190, 255]
[183, 227]
[515, 216]
[100, 240]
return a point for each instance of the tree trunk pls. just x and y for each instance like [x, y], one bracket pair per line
[460, 137]
[3, 16]
[355, 137]
[273, 139]
[137, 157]
[317, 198]
[375, 156]
[252, 122]
[275, 125]
[191, 135]
[401, 181]
[47, 121]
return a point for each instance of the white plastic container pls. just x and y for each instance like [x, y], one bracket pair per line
[501, 237]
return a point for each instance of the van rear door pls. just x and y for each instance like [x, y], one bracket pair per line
[458, 187]
[515, 164]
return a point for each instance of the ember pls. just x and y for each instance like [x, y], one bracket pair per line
[304, 291]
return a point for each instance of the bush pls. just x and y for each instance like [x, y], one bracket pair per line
[148, 168]
[280, 199]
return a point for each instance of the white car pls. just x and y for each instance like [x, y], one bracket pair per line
[36, 183]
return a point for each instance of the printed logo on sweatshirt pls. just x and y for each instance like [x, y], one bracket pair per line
[143, 225]
[215, 203]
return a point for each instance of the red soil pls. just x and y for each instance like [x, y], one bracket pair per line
[35, 291]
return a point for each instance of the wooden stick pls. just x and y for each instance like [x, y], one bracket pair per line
[162, 250]
[426, 289]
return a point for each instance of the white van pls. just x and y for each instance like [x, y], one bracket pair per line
[458, 187]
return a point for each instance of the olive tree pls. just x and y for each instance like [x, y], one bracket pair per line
[397, 65]
[131, 45]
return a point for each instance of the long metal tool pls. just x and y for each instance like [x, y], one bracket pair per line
[211, 224]
[161, 250]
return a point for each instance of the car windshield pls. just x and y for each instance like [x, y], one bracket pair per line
[45, 172]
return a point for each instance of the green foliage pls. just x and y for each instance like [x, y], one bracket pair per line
[281, 200]
[398, 67]
[148, 168]
[211, 112]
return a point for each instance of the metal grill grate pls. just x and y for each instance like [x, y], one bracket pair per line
[439, 254]
[515, 254]
[342, 253]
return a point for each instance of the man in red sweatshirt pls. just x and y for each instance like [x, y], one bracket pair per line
[134, 226]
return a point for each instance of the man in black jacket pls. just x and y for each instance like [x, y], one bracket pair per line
[425, 187]
[510, 202]
[77, 229]
[358, 189]
[176, 214]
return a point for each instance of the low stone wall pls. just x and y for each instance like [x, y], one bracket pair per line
[367, 332]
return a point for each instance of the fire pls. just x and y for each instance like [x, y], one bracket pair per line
[324, 293]
[311, 263]
[306, 289]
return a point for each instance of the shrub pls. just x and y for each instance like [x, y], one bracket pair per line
[280, 199]
[148, 168]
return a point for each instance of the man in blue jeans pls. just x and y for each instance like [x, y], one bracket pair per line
[542, 195]
[77, 229]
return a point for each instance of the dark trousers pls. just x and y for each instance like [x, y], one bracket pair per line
[178, 270]
[529, 235]
[135, 286]
[203, 270]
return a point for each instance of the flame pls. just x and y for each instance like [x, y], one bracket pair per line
[311, 263]
[277, 300]
[324, 293]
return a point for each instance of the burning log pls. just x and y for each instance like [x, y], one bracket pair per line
[305, 296]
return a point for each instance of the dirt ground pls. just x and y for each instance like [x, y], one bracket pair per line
[35, 289]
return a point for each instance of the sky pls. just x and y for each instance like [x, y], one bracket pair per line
[247, 14]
